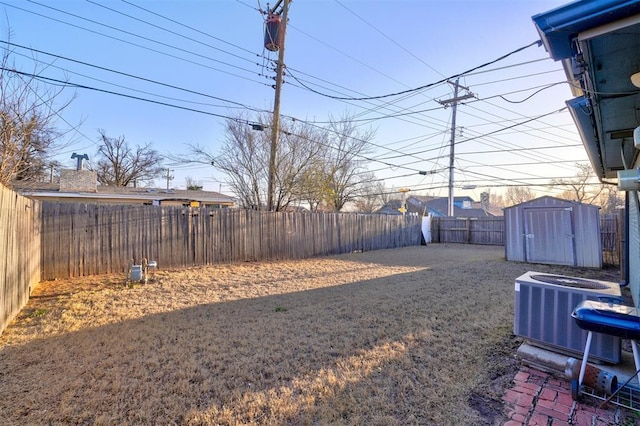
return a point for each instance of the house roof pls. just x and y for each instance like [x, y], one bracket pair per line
[436, 205]
[440, 206]
[598, 43]
[51, 191]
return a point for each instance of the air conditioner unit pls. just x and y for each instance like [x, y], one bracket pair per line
[542, 313]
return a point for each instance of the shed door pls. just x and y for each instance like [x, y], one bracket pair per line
[549, 236]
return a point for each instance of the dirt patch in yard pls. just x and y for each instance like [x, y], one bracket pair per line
[419, 335]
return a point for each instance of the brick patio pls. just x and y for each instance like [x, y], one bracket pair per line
[539, 398]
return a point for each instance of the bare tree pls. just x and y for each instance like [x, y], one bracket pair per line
[300, 149]
[244, 159]
[373, 196]
[610, 200]
[313, 165]
[578, 188]
[312, 185]
[120, 165]
[518, 194]
[28, 112]
[192, 184]
[344, 164]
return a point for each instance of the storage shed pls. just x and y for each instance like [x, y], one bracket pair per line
[553, 231]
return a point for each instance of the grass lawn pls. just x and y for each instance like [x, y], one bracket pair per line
[418, 335]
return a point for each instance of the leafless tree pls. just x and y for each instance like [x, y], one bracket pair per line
[373, 196]
[316, 166]
[344, 164]
[518, 194]
[610, 200]
[120, 165]
[192, 184]
[28, 113]
[581, 188]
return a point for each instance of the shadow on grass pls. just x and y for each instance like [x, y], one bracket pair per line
[403, 349]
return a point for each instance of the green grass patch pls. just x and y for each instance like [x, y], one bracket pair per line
[38, 312]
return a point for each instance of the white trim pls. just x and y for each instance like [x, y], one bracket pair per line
[608, 28]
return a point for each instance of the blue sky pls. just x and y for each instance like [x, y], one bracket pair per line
[345, 48]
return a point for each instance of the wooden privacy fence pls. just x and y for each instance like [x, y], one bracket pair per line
[91, 239]
[490, 231]
[612, 234]
[483, 230]
[19, 252]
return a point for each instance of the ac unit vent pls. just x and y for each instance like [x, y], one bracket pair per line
[542, 313]
[570, 282]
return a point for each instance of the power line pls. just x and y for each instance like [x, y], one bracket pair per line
[138, 35]
[218, 115]
[171, 86]
[81, 86]
[388, 38]
[538, 43]
[192, 29]
[138, 45]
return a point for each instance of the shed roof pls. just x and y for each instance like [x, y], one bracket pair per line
[554, 200]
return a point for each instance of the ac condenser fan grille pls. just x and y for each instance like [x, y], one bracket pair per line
[570, 282]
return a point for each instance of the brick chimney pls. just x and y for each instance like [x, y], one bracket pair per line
[78, 181]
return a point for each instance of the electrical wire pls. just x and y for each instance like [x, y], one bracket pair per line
[190, 28]
[87, 87]
[388, 38]
[139, 36]
[81, 86]
[144, 79]
[136, 44]
[148, 80]
[444, 80]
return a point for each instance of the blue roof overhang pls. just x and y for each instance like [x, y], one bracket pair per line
[598, 42]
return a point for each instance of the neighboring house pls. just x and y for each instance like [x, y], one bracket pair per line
[436, 206]
[392, 207]
[439, 206]
[598, 44]
[81, 186]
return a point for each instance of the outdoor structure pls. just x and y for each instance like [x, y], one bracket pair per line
[598, 43]
[80, 186]
[553, 231]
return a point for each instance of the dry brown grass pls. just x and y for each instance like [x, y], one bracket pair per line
[419, 335]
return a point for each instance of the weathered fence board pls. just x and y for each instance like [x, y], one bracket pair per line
[81, 239]
[19, 252]
[611, 238]
[485, 230]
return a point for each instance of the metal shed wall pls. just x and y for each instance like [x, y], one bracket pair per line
[584, 226]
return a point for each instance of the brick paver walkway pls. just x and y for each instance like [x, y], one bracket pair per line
[539, 398]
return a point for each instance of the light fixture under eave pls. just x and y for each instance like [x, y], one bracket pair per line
[635, 79]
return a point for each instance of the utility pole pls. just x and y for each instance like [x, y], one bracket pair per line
[168, 176]
[404, 191]
[454, 102]
[276, 105]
